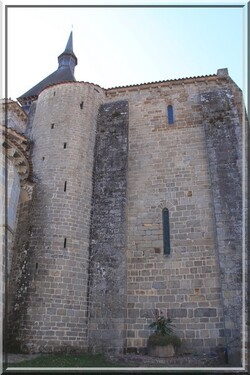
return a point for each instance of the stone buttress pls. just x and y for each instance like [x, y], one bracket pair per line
[107, 283]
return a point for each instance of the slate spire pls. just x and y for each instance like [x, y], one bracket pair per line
[64, 73]
[69, 45]
[68, 58]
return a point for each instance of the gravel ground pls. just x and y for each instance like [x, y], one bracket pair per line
[15, 358]
[189, 360]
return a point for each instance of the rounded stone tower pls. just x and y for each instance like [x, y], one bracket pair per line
[63, 135]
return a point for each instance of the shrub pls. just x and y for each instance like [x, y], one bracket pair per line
[163, 326]
[163, 332]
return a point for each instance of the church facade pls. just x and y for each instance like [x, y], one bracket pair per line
[127, 201]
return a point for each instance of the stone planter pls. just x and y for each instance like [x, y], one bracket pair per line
[161, 351]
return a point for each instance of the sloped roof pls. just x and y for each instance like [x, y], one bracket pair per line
[64, 74]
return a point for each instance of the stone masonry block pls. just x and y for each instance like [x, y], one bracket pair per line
[205, 312]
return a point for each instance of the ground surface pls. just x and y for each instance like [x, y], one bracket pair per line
[138, 360]
[190, 360]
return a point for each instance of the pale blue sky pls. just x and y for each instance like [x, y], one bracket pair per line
[124, 46]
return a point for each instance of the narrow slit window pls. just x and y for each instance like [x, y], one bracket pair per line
[81, 105]
[65, 242]
[52, 126]
[64, 145]
[166, 231]
[170, 114]
[65, 185]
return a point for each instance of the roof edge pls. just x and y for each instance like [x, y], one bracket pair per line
[209, 77]
[169, 82]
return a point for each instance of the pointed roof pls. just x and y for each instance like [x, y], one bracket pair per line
[68, 52]
[64, 73]
[69, 46]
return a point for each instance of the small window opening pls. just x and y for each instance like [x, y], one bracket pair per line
[36, 266]
[52, 126]
[54, 93]
[81, 105]
[166, 231]
[65, 185]
[64, 145]
[43, 157]
[170, 115]
[65, 242]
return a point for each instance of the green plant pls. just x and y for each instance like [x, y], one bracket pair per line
[163, 331]
[163, 326]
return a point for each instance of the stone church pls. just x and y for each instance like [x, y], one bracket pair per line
[121, 202]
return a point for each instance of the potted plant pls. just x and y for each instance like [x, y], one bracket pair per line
[163, 342]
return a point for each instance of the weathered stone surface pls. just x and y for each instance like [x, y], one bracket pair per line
[208, 312]
[106, 163]
[223, 131]
[107, 284]
[57, 246]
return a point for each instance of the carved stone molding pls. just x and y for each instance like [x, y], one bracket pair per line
[16, 148]
[27, 190]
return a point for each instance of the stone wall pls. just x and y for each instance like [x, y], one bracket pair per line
[223, 131]
[55, 295]
[12, 190]
[20, 276]
[169, 167]
[2, 245]
[106, 164]
[107, 284]
[14, 170]
[13, 115]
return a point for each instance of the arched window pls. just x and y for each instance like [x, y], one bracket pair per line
[170, 115]
[166, 231]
